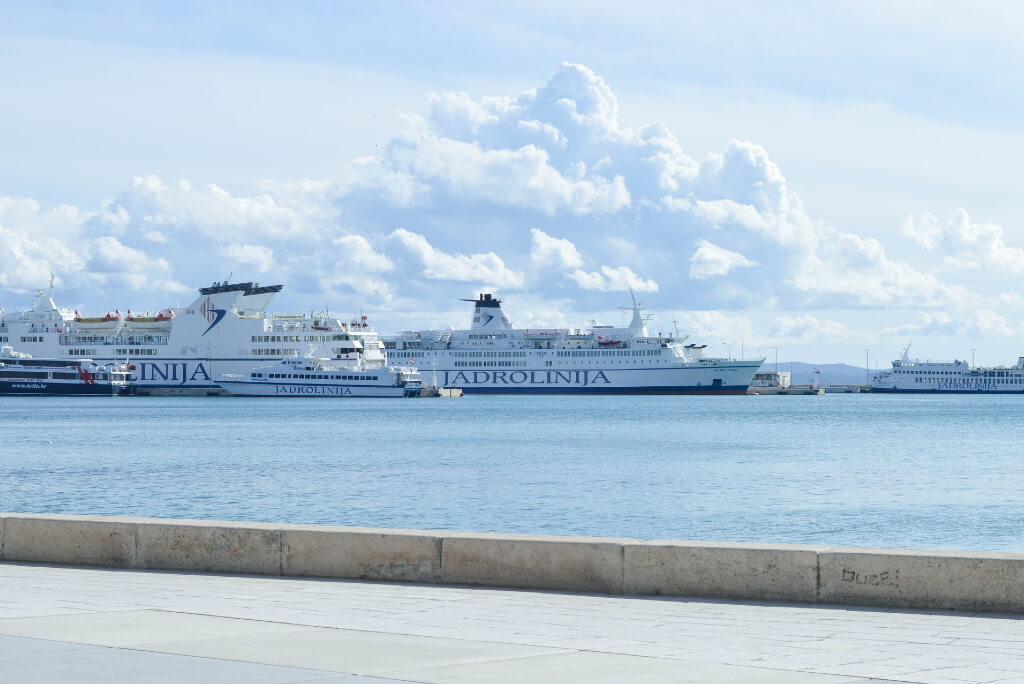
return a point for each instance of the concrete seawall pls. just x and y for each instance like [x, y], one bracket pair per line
[812, 574]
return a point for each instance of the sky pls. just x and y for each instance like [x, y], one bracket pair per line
[822, 182]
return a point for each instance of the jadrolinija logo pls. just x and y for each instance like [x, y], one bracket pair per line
[533, 377]
[211, 314]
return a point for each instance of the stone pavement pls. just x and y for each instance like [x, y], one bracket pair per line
[75, 624]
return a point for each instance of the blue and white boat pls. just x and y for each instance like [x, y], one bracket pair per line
[321, 377]
[493, 356]
[21, 374]
[913, 376]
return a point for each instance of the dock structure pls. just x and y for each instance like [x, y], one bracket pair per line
[791, 390]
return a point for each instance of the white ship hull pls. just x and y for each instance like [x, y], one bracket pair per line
[733, 378]
[321, 390]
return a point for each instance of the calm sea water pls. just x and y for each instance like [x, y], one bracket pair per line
[892, 471]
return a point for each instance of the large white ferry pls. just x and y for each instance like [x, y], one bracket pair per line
[492, 356]
[181, 350]
[952, 377]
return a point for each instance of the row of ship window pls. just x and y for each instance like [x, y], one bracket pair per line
[985, 374]
[299, 338]
[136, 352]
[272, 352]
[490, 364]
[120, 339]
[610, 352]
[969, 379]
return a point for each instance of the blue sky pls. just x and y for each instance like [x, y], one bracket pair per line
[820, 177]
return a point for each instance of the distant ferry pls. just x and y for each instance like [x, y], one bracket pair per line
[180, 350]
[20, 374]
[952, 377]
[492, 356]
[314, 377]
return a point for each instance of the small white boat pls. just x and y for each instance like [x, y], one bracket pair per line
[319, 377]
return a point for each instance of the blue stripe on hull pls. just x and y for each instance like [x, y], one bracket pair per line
[477, 389]
[884, 390]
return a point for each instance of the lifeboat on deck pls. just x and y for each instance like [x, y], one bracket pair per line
[162, 320]
[109, 322]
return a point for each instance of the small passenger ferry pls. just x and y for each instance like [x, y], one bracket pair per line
[322, 377]
[22, 374]
[913, 376]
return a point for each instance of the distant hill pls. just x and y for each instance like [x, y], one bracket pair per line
[828, 373]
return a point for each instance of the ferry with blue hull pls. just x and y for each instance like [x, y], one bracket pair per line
[913, 376]
[180, 350]
[494, 357]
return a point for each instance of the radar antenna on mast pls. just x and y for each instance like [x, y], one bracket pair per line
[636, 326]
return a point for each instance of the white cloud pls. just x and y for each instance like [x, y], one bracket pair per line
[520, 177]
[485, 268]
[356, 251]
[715, 327]
[980, 322]
[855, 271]
[554, 252]
[613, 279]
[260, 258]
[809, 329]
[964, 243]
[712, 260]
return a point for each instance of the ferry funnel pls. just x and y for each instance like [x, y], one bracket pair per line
[487, 314]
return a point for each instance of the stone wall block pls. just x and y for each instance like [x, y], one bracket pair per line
[721, 570]
[210, 546]
[76, 540]
[359, 553]
[533, 562]
[923, 579]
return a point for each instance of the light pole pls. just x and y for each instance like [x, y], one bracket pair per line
[867, 368]
[730, 346]
[776, 358]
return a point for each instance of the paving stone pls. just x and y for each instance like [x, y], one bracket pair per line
[339, 629]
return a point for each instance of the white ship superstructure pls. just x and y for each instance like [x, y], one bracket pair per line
[181, 350]
[493, 356]
[913, 376]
